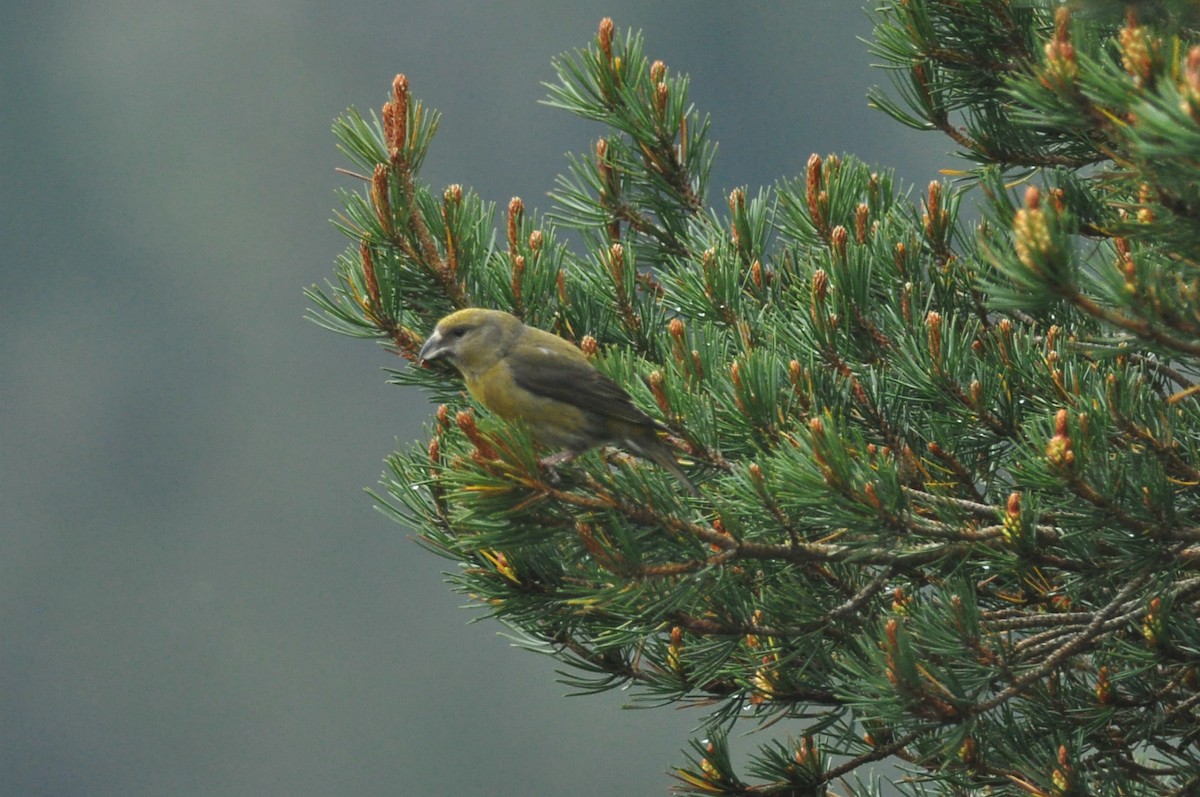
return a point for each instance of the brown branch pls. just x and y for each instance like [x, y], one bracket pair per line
[1137, 326]
[1070, 648]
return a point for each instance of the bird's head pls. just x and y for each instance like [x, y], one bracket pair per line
[472, 339]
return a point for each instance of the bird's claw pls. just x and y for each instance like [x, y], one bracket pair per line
[551, 463]
[561, 458]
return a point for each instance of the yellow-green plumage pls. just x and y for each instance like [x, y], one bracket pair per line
[530, 376]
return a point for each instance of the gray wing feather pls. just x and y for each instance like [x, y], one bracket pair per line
[576, 382]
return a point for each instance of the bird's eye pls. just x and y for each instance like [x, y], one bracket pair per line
[458, 332]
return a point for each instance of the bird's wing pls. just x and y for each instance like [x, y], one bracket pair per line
[573, 381]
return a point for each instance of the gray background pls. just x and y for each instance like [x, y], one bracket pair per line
[196, 597]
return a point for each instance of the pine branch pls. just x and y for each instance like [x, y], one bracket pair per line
[948, 470]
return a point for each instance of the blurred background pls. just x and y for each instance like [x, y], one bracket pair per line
[196, 595]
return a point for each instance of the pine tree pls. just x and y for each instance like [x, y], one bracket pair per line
[949, 462]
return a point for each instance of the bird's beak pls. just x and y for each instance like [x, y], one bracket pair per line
[433, 348]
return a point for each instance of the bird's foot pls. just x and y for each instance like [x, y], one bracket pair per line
[561, 458]
[552, 462]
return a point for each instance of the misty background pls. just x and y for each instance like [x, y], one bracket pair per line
[197, 598]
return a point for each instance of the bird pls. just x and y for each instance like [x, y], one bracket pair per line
[529, 376]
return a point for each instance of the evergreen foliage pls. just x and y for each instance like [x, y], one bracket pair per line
[950, 468]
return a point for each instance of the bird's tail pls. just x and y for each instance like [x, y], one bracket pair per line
[654, 449]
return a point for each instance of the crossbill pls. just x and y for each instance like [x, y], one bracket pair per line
[533, 377]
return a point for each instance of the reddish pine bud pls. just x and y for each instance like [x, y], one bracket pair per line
[1122, 244]
[1031, 232]
[1103, 688]
[400, 90]
[399, 128]
[518, 274]
[1062, 24]
[589, 346]
[389, 129]
[933, 326]
[837, 239]
[892, 630]
[561, 282]
[1052, 337]
[466, 422]
[806, 752]
[1189, 88]
[737, 207]
[1061, 778]
[812, 190]
[737, 201]
[1058, 450]
[516, 210]
[1061, 66]
[1136, 47]
[1058, 198]
[616, 263]
[368, 264]
[1153, 624]
[380, 198]
[1033, 197]
[900, 257]
[656, 383]
[605, 37]
[936, 219]
[536, 240]
[677, 331]
[861, 214]
[1191, 71]
[675, 650]
[661, 96]
[658, 72]
[756, 274]
[933, 198]
[820, 286]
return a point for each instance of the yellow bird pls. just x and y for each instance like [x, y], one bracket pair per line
[533, 377]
